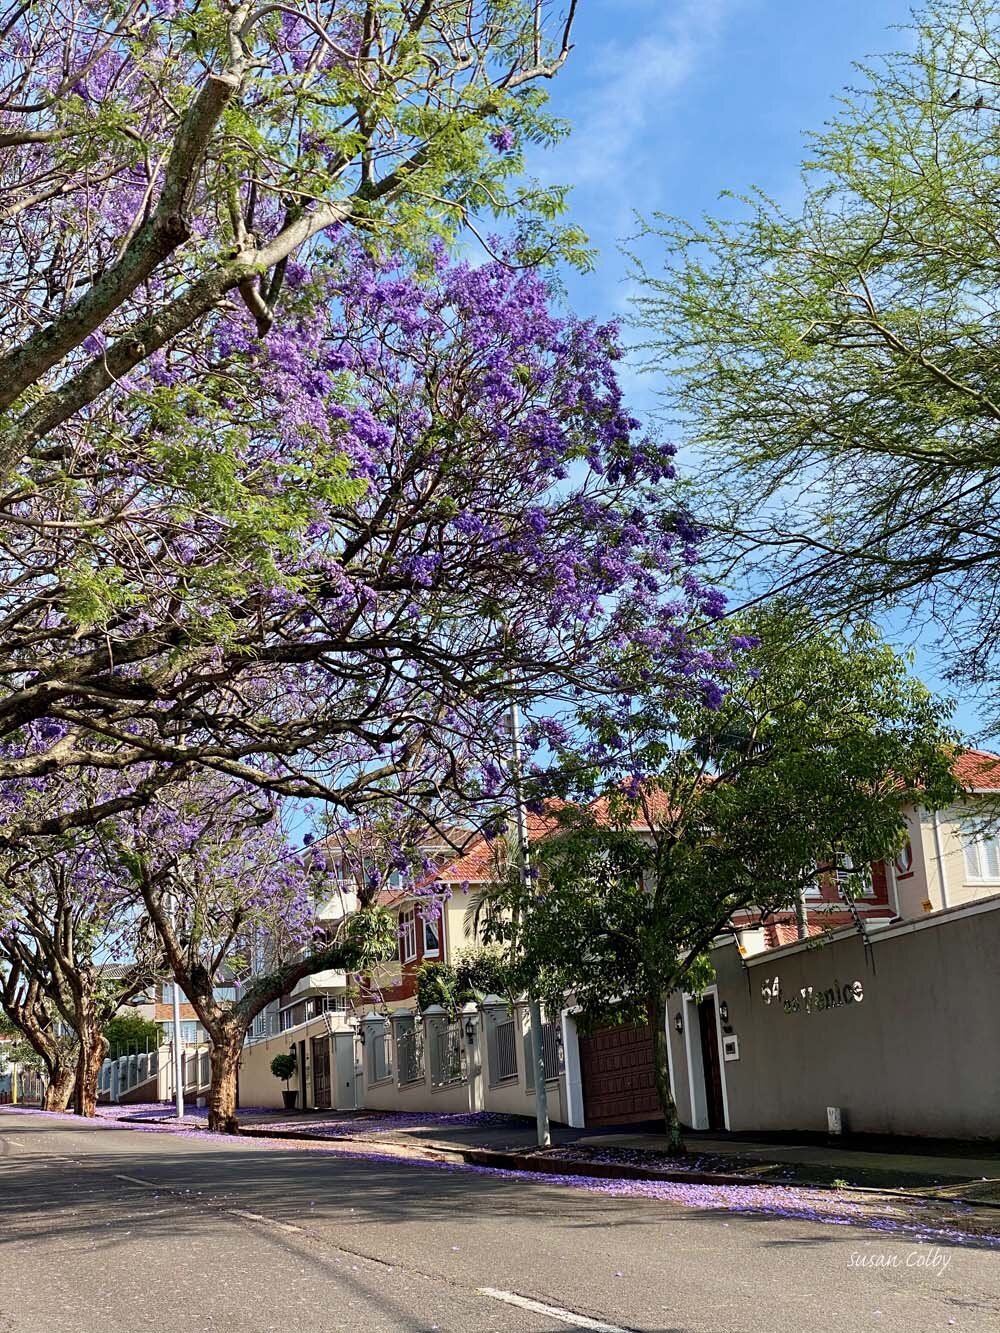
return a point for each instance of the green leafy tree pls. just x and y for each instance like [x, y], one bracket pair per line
[437, 983]
[482, 971]
[126, 1033]
[716, 808]
[475, 973]
[835, 361]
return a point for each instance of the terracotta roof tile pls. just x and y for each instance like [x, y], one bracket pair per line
[977, 770]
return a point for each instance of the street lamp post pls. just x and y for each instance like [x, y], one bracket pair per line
[534, 1007]
[178, 1049]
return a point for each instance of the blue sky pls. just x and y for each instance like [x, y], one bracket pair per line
[674, 101]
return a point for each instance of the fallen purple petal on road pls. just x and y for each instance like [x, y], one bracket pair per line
[797, 1204]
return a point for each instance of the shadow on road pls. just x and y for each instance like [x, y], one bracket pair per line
[55, 1185]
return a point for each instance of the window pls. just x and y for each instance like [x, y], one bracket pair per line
[903, 861]
[407, 936]
[982, 854]
[853, 880]
[814, 887]
[226, 993]
[432, 937]
[191, 1033]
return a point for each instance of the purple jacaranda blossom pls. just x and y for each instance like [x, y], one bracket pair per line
[502, 140]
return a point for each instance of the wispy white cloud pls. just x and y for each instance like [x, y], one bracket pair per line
[630, 86]
[630, 77]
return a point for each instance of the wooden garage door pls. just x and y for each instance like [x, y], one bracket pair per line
[617, 1068]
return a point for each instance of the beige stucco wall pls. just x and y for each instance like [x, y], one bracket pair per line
[456, 940]
[258, 1086]
[949, 866]
[920, 1054]
[476, 1092]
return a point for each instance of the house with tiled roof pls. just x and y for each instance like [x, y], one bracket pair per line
[879, 1026]
[434, 919]
[947, 872]
[950, 857]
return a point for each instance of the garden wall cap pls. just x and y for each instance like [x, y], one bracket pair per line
[494, 1002]
[435, 1011]
[400, 1013]
[374, 1018]
[470, 1007]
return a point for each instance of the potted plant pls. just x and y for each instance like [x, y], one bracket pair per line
[283, 1066]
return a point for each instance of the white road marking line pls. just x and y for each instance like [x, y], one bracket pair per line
[16, 1142]
[259, 1217]
[552, 1311]
[233, 1212]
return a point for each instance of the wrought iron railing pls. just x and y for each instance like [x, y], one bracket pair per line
[505, 1051]
[409, 1055]
[446, 1057]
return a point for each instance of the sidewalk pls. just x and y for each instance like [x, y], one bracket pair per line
[862, 1165]
[939, 1171]
[950, 1172]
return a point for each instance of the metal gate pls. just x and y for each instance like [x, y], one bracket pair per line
[321, 1073]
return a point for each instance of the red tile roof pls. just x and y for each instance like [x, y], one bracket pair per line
[483, 859]
[777, 933]
[977, 770]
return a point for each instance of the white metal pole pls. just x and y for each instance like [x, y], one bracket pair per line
[178, 1055]
[178, 1048]
[534, 1008]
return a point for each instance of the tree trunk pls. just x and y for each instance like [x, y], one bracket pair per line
[226, 1048]
[656, 1007]
[93, 1048]
[59, 1088]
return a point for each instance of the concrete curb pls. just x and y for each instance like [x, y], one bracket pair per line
[542, 1165]
[539, 1164]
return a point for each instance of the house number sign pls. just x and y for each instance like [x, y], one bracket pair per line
[808, 1000]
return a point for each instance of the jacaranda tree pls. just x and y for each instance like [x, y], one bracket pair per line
[160, 157]
[311, 562]
[63, 919]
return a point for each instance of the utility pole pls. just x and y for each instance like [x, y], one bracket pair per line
[534, 1007]
[178, 1048]
[801, 915]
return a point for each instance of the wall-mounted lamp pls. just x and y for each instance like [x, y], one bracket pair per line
[362, 1034]
[724, 1012]
[678, 1024]
[470, 1031]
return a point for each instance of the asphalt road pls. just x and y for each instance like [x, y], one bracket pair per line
[116, 1231]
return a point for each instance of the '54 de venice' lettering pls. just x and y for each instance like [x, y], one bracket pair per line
[808, 1000]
